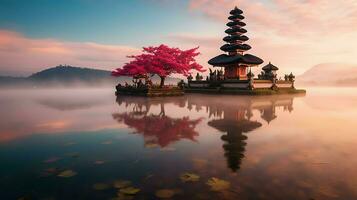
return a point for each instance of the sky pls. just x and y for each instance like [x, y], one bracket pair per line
[294, 35]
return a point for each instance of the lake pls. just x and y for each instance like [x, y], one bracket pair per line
[88, 144]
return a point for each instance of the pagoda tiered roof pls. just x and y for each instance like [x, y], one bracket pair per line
[235, 30]
[224, 59]
[235, 17]
[234, 38]
[270, 67]
[236, 11]
[235, 23]
[235, 46]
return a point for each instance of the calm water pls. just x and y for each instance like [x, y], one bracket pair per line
[74, 144]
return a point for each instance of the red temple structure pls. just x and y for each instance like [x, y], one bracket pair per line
[235, 61]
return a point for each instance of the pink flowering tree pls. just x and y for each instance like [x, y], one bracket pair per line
[162, 61]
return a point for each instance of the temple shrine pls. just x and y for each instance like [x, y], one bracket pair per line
[235, 61]
[234, 74]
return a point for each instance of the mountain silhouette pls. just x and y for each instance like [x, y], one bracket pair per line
[69, 76]
[330, 74]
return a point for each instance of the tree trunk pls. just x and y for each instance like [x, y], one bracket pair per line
[162, 82]
[162, 111]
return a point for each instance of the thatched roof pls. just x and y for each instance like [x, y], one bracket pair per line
[235, 30]
[236, 23]
[224, 59]
[236, 11]
[235, 47]
[233, 38]
[234, 17]
[270, 67]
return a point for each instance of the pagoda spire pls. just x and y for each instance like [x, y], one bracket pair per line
[236, 38]
[235, 46]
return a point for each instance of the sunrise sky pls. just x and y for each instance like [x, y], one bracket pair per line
[293, 34]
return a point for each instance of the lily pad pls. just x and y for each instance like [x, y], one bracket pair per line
[189, 177]
[165, 193]
[67, 174]
[129, 190]
[218, 185]
[101, 186]
[121, 184]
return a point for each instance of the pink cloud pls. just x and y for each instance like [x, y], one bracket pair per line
[287, 17]
[22, 55]
[293, 34]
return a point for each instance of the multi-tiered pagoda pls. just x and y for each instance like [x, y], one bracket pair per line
[235, 61]
[237, 77]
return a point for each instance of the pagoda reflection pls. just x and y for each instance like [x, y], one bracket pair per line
[234, 118]
[157, 129]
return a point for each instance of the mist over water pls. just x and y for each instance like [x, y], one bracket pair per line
[267, 147]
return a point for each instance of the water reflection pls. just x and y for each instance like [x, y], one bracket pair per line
[278, 147]
[233, 119]
[157, 129]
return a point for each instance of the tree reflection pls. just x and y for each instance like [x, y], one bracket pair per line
[234, 117]
[157, 129]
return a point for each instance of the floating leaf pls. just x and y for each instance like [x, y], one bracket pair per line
[129, 190]
[67, 174]
[218, 185]
[101, 186]
[189, 177]
[121, 184]
[165, 193]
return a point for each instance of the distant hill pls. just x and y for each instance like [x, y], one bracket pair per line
[331, 74]
[69, 73]
[69, 76]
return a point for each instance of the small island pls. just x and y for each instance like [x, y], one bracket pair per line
[161, 61]
[234, 75]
